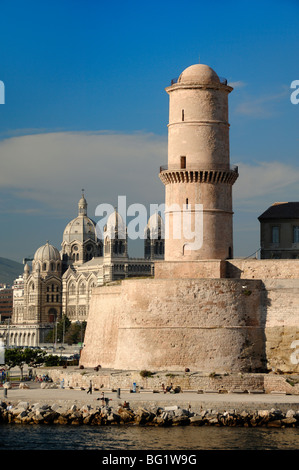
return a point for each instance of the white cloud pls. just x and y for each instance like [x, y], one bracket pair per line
[265, 183]
[237, 84]
[50, 169]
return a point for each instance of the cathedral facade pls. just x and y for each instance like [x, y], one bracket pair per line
[61, 282]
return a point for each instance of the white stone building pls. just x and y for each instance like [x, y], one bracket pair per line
[60, 283]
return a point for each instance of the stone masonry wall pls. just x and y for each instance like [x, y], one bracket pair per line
[204, 324]
[262, 269]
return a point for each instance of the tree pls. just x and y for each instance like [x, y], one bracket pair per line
[75, 333]
[19, 357]
[59, 330]
[62, 327]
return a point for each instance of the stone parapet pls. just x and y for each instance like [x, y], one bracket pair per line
[262, 269]
[190, 269]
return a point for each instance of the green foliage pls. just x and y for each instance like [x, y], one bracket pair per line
[75, 333]
[52, 360]
[67, 332]
[146, 373]
[15, 357]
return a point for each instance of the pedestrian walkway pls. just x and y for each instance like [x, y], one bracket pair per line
[220, 402]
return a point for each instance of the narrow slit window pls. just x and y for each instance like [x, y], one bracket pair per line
[183, 162]
[187, 203]
[183, 115]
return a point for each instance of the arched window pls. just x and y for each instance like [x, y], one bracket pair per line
[82, 288]
[72, 289]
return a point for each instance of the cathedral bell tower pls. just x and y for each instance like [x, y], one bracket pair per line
[198, 178]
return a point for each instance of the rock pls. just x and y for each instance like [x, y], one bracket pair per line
[180, 420]
[290, 414]
[274, 424]
[196, 420]
[263, 413]
[86, 408]
[289, 421]
[24, 386]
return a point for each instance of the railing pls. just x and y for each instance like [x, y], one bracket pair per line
[199, 168]
[222, 80]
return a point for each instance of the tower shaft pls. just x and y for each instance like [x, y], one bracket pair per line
[198, 178]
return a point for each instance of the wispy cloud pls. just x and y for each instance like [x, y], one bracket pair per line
[48, 171]
[237, 84]
[265, 183]
[262, 106]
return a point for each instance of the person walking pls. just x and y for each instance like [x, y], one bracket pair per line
[90, 388]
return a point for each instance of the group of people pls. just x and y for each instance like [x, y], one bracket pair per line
[105, 401]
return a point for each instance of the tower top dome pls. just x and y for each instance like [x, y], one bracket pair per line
[47, 252]
[199, 73]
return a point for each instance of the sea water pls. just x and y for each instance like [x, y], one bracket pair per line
[130, 438]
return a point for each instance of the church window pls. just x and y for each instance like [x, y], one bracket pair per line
[82, 288]
[183, 162]
[44, 267]
[72, 289]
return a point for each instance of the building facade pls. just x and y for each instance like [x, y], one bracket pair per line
[6, 304]
[279, 231]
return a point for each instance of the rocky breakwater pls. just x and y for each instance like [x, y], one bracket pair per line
[25, 413]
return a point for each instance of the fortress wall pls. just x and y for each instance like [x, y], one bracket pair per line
[159, 324]
[102, 326]
[281, 311]
[191, 269]
[213, 325]
[262, 269]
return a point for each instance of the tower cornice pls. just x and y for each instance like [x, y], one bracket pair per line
[198, 175]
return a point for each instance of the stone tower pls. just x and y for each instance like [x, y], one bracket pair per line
[198, 178]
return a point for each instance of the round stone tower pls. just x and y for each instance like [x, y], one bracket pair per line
[198, 178]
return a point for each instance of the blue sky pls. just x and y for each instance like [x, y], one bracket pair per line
[86, 107]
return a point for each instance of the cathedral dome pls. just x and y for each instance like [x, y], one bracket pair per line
[82, 228]
[47, 252]
[199, 73]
